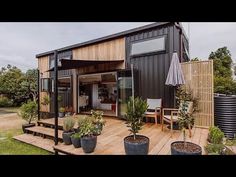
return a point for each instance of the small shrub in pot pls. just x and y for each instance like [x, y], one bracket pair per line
[136, 144]
[76, 140]
[185, 119]
[87, 132]
[61, 112]
[28, 111]
[68, 130]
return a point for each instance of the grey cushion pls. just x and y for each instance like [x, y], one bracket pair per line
[153, 103]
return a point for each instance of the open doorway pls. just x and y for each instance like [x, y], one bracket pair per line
[98, 92]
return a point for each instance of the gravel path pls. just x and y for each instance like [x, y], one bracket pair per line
[10, 121]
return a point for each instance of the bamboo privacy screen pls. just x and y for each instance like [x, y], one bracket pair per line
[199, 78]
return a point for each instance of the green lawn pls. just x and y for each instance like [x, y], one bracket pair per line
[9, 146]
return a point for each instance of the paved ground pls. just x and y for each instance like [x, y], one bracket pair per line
[10, 121]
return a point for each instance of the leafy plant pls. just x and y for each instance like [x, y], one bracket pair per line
[135, 111]
[28, 111]
[215, 135]
[216, 149]
[76, 135]
[86, 127]
[98, 117]
[185, 119]
[184, 94]
[46, 100]
[62, 109]
[68, 124]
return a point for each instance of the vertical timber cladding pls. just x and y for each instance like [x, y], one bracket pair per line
[153, 69]
[107, 50]
[43, 66]
[199, 79]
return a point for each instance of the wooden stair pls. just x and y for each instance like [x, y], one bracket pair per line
[44, 132]
[46, 144]
[50, 123]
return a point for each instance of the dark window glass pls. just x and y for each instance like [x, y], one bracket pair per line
[45, 85]
[152, 45]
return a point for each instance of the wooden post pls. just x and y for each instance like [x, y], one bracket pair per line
[55, 97]
[38, 84]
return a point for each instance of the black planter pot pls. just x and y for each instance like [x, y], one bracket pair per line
[24, 126]
[175, 151]
[61, 114]
[76, 142]
[88, 143]
[136, 148]
[66, 137]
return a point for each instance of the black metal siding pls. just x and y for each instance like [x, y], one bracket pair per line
[153, 69]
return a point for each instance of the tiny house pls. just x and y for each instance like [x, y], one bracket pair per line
[97, 74]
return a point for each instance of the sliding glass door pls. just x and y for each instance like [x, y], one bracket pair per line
[124, 87]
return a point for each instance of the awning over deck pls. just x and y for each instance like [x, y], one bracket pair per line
[75, 64]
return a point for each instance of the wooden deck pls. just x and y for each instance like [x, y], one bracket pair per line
[110, 142]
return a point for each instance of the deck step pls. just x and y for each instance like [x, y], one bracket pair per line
[45, 132]
[46, 144]
[50, 123]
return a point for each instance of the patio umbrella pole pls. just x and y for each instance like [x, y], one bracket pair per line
[132, 73]
[55, 98]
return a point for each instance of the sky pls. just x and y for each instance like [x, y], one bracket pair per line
[20, 42]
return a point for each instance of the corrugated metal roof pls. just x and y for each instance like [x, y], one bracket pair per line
[120, 34]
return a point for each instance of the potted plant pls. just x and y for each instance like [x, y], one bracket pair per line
[76, 141]
[45, 103]
[87, 133]
[61, 112]
[98, 120]
[186, 95]
[68, 130]
[136, 144]
[76, 138]
[185, 120]
[28, 111]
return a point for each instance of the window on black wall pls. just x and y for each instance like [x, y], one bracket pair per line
[185, 53]
[148, 46]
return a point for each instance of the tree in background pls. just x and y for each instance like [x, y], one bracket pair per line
[11, 78]
[30, 83]
[222, 62]
[18, 86]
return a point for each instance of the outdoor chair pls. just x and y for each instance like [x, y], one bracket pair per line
[154, 109]
[173, 116]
